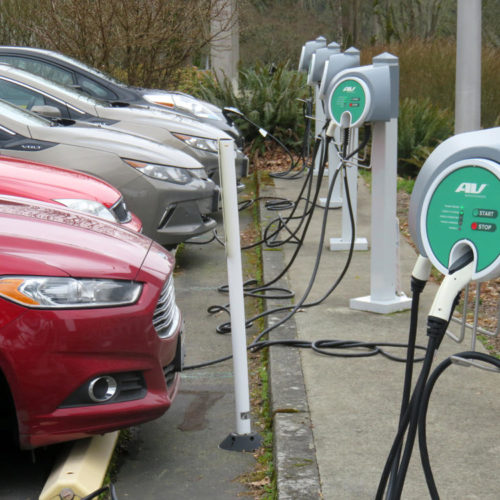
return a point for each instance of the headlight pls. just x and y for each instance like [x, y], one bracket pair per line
[88, 206]
[198, 142]
[161, 172]
[68, 293]
[182, 101]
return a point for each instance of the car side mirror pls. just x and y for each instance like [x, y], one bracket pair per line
[47, 111]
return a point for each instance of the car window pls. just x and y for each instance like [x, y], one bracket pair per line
[94, 89]
[20, 96]
[5, 135]
[41, 68]
[27, 98]
[18, 114]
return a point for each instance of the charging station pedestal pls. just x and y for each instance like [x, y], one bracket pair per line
[344, 242]
[371, 94]
[335, 64]
[384, 258]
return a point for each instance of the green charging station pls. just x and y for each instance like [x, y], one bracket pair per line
[350, 99]
[455, 203]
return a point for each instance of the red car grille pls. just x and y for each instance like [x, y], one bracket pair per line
[166, 316]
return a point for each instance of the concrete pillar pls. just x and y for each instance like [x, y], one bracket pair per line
[468, 73]
[225, 49]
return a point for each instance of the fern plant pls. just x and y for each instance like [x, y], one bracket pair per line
[421, 127]
[268, 96]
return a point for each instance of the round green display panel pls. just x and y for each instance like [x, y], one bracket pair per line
[349, 95]
[465, 206]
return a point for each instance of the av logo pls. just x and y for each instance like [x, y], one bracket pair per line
[470, 188]
[347, 88]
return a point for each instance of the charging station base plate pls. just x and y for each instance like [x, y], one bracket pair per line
[316, 172]
[396, 304]
[241, 442]
[334, 202]
[343, 244]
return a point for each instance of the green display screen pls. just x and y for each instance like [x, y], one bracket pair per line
[465, 206]
[349, 96]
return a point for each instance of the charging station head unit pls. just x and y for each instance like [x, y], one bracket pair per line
[318, 61]
[334, 65]
[455, 204]
[365, 93]
[308, 49]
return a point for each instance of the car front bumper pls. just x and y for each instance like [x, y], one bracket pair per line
[172, 213]
[52, 355]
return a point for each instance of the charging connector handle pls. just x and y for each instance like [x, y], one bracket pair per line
[452, 284]
[422, 269]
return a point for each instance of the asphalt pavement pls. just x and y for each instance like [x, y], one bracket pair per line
[177, 456]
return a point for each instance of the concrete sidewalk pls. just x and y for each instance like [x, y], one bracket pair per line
[335, 419]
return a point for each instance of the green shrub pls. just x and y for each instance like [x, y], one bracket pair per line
[427, 70]
[267, 96]
[421, 127]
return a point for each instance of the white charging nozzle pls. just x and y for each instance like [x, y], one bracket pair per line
[460, 274]
[330, 130]
[230, 110]
[422, 268]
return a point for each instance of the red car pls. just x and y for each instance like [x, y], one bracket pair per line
[90, 334]
[75, 190]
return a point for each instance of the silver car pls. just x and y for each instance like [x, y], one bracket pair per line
[166, 188]
[57, 101]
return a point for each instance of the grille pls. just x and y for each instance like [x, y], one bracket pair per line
[121, 211]
[166, 316]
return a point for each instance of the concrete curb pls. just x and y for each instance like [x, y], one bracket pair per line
[294, 450]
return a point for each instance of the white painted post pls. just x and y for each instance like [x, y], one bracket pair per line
[344, 242]
[243, 439]
[383, 275]
[468, 70]
[319, 124]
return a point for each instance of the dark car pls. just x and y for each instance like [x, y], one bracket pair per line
[68, 71]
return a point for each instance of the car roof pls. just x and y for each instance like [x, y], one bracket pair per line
[63, 59]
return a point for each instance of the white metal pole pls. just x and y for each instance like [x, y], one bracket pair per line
[227, 157]
[384, 239]
[468, 70]
[319, 123]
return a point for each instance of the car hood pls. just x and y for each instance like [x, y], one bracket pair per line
[112, 141]
[162, 119]
[46, 183]
[42, 239]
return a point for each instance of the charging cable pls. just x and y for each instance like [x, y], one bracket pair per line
[446, 299]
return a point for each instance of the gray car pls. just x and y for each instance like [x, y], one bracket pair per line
[166, 188]
[57, 101]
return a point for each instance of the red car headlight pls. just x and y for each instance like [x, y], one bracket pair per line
[68, 293]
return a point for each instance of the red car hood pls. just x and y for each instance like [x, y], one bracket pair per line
[46, 183]
[42, 239]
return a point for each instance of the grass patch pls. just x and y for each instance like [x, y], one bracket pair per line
[406, 184]
[261, 481]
